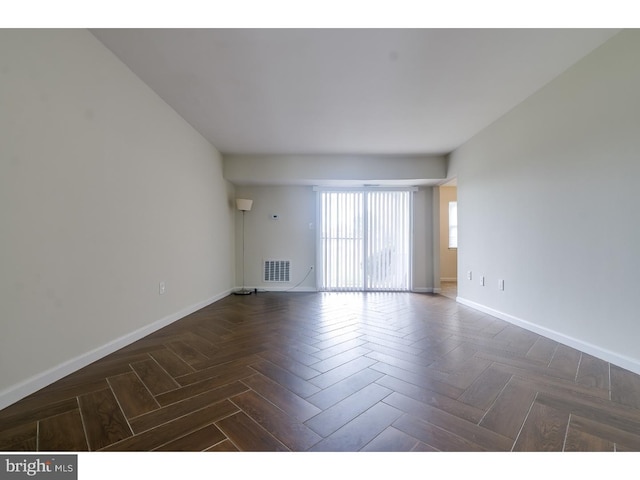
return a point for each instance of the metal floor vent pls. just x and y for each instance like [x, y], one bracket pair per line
[277, 270]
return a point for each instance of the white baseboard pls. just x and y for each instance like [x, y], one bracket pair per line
[264, 289]
[314, 290]
[423, 290]
[17, 392]
[603, 354]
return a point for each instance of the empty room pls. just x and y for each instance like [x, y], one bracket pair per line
[319, 240]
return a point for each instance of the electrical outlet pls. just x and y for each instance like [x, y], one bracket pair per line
[161, 288]
[501, 284]
[482, 280]
[469, 274]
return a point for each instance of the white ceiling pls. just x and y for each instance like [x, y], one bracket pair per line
[346, 91]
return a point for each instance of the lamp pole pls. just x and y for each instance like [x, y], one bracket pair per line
[244, 290]
[243, 205]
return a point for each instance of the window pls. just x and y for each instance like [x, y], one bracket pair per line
[365, 240]
[453, 224]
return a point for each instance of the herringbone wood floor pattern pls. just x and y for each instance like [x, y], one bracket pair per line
[335, 372]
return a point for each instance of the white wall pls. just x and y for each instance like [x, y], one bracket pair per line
[448, 256]
[287, 238]
[548, 198]
[423, 245]
[104, 192]
[333, 169]
[290, 238]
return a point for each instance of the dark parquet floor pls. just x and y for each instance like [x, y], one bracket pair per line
[335, 372]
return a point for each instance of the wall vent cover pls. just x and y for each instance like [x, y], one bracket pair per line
[277, 270]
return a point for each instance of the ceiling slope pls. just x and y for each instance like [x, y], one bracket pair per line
[346, 91]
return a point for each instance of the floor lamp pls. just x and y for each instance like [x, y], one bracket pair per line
[244, 206]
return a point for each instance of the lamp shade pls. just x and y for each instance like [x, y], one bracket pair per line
[244, 204]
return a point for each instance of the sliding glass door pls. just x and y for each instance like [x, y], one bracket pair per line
[365, 240]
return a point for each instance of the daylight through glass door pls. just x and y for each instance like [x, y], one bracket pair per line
[365, 240]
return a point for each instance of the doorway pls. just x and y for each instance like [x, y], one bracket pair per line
[365, 240]
[449, 239]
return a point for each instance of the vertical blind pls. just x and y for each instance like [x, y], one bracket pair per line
[365, 240]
